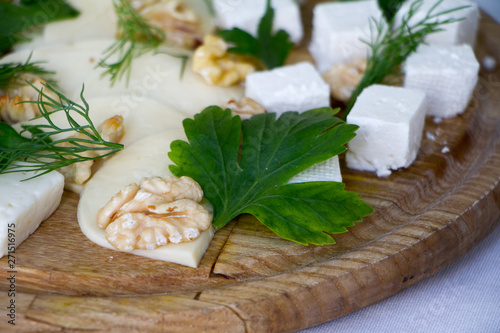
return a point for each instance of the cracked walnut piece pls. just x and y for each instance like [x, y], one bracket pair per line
[156, 212]
[343, 78]
[78, 173]
[246, 108]
[217, 66]
[11, 110]
[180, 23]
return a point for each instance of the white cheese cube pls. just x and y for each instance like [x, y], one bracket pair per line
[338, 31]
[296, 87]
[246, 16]
[461, 32]
[25, 204]
[326, 171]
[391, 121]
[447, 74]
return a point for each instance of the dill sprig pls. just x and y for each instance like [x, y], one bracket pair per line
[11, 74]
[41, 152]
[135, 38]
[391, 45]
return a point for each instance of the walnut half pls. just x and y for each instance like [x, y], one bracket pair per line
[156, 212]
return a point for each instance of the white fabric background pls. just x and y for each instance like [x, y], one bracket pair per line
[462, 298]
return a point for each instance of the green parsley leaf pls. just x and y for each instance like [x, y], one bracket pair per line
[271, 50]
[244, 167]
[17, 19]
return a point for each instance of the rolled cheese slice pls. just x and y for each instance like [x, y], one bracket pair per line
[141, 117]
[148, 157]
[24, 204]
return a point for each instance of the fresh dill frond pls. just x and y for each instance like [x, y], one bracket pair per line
[391, 45]
[210, 6]
[11, 74]
[135, 38]
[35, 147]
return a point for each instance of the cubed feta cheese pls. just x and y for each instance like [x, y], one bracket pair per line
[447, 74]
[391, 121]
[456, 33]
[296, 87]
[338, 31]
[326, 171]
[25, 204]
[246, 15]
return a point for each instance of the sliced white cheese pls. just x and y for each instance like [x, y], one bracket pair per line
[296, 87]
[97, 21]
[141, 117]
[391, 122]
[158, 76]
[25, 204]
[148, 157]
[71, 63]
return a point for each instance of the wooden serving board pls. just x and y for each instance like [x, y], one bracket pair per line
[426, 217]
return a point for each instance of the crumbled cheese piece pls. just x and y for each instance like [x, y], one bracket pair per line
[445, 150]
[461, 32]
[296, 87]
[328, 171]
[447, 74]
[391, 121]
[26, 204]
[338, 28]
[489, 63]
[246, 15]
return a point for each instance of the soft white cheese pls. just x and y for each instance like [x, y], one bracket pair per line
[71, 63]
[146, 158]
[97, 21]
[25, 204]
[158, 76]
[153, 76]
[338, 31]
[246, 15]
[327, 171]
[296, 87]
[456, 33]
[141, 117]
[391, 121]
[447, 74]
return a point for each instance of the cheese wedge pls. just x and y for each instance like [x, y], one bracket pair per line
[148, 157]
[25, 204]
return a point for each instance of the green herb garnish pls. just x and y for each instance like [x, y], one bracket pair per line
[254, 179]
[390, 8]
[11, 74]
[40, 152]
[271, 50]
[390, 46]
[17, 19]
[135, 38]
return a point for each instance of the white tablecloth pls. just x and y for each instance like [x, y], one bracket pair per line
[462, 298]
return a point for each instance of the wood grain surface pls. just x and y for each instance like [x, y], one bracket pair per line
[426, 217]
